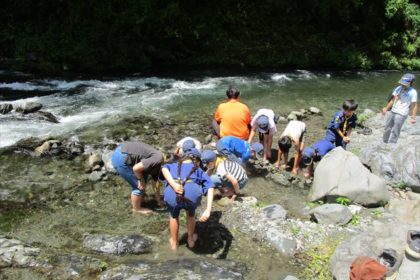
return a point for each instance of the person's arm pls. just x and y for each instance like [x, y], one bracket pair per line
[267, 146]
[298, 154]
[414, 112]
[138, 170]
[206, 214]
[167, 174]
[251, 135]
[217, 116]
[234, 182]
[388, 106]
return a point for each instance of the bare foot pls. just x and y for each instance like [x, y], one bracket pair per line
[173, 243]
[142, 211]
[191, 242]
[308, 175]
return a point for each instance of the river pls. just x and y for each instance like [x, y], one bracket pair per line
[68, 206]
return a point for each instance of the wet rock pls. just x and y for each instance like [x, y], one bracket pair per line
[74, 148]
[340, 173]
[107, 160]
[94, 160]
[46, 147]
[46, 116]
[370, 243]
[298, 114]
[96, 176]
[292, 117]
[75, 267]
[208, 139]
[314, 110]
[331, 214]
[29, 107]
[189, 269]
[282, 120]
[117, 245]
[15, 253]
[5, 108]
[281, 179]
[274, 212]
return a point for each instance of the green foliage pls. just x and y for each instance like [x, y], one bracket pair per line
[294, 230]
[402, 185]
[260, 204]
[376, 213]
[317, 261]
[11, 220]
[355, 220]
[343, 200]
[147, 35]
[312, 205]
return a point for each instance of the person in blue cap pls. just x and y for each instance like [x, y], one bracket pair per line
[238, 150]
[340, 127]
[228, 176]
[264, 123]
[314, 154]
[185, 184]
[398, 108]
[185, 144]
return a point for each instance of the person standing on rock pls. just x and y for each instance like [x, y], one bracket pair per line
[232, 118]
[134, 161]
[185, 144]
[264, 122]
[398, 108]
[185, 184]
[293, 134]
[228, 176]
[340, 127]
[238, 150]
[315, 154]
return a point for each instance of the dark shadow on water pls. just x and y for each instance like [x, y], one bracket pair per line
[213, 237]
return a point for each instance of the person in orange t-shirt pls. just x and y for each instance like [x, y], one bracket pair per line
[232, 118]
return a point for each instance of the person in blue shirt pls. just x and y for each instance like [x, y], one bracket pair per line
[340, 127]
[185, 184]
[238, 150]
[314, 154]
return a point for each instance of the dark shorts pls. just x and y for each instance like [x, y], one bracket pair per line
[175, 210]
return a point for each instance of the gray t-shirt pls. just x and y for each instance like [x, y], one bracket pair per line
[146, 154]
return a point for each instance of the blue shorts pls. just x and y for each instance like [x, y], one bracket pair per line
[125, 171]
[174, 211]
[219, 182]
[175, 207]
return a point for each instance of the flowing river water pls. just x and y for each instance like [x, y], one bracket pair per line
[93, 110]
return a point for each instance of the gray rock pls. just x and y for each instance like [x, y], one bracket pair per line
[282, 120]
[117, 245]
[15, 253]
[332, 214]
[208, 139]
[107, 160]
[46, 116]
[340, 173]
[45, 147]
[189, 269]
[75, 267]
[314, 110]
[289, 277]
[292, 117]
[370, 243]
[274, 212]
[298, 114]
[409, 269]
[280, 241]
[280, 179]
[5, 108]
[29, 107]
[405, 210]
[94, 159]
[96, 176]
[413, 196]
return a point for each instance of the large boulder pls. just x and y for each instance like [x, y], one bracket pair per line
[5, 108]
[117, 245]
[188, 269]
[371, 244]
[406, 210]
[29, 107]
[332, 214]
[341, 174]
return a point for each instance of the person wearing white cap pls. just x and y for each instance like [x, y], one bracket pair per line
[404, 97]
[264, 122]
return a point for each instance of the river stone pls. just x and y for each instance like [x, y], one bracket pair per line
[340, 173]
[94, 160]
[46, 147]
[280, 241]
[289, 277]
[75, 266]
[274, 212]
[298, 114]
[409, 269]
[29, 107]
[282, 120]
[314, 110]
[15, 253]
[5, 108]
[188, 269]
[46, 116]
[370, 243]
[280, 179]
[117, 245]
[96, 176]
[331, 214]
[292, 117]
[107, 160]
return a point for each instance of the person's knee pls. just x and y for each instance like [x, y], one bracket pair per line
[137, 192]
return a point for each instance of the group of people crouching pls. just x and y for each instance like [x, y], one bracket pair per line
[191, 173]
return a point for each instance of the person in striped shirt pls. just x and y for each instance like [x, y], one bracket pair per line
[228, 176]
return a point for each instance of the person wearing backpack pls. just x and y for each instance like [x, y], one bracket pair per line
[186, 183]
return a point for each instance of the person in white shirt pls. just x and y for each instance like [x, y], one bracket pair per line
[294, 133]
[403, 97]
[264, 122]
